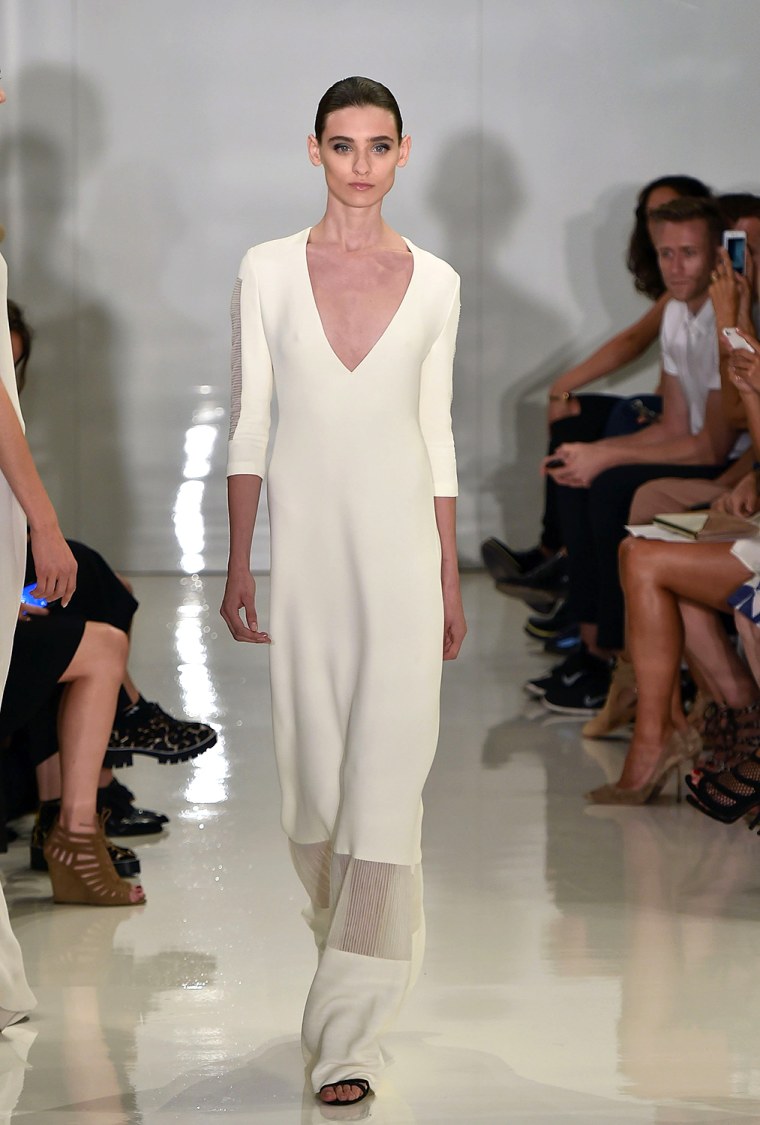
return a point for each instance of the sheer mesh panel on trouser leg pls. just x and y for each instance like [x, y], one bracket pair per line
[312, 864]
[368, 922]
[376, 907]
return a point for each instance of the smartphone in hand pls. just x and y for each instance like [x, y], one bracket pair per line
[735, 243]
[737, 341]
[28, 599]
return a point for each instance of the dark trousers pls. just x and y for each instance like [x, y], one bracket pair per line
[601, 416]
[593, 526]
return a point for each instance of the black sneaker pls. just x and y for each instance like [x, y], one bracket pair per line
[565, 674]
[144, 728]
[583, 693]
[502, 562]
[569, 640]
[545, 626]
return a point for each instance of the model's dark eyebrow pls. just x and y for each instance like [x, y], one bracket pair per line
[350, 140]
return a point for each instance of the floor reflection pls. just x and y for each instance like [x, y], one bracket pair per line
[583, 965]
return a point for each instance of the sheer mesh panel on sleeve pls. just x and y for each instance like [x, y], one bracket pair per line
[375, 907]
[237, 361]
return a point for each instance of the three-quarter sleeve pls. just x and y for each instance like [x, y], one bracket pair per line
[252, 378]
[436, 388]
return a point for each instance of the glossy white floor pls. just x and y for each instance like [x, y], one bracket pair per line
[583, 965]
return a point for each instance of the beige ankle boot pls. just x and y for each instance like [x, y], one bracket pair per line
[620, 705]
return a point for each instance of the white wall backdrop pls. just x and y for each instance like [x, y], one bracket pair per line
[147, 143]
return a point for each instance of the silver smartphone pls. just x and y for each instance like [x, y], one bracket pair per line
[735, 242]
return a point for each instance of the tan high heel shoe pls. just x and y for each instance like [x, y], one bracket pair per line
[619, 707]
[81, 870]
[681, 747]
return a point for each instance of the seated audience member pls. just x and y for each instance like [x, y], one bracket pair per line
[692, 439]
[734, 297]
[27, 715]
[89, 659]
[672, 585]
[538, 574]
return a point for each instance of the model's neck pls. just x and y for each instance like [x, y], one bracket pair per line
[352, 228]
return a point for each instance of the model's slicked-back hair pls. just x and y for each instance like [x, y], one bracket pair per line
[356, 91]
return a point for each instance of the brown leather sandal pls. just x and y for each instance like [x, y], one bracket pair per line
[81, 870]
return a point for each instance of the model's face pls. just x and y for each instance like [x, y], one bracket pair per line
[360, 152]
[658, 198]
[686, 255]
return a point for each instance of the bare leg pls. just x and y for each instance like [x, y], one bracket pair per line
[655, 576]
[85, 719]
[709, 649]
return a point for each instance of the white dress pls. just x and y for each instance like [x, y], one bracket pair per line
[15, 995]
[356, 618]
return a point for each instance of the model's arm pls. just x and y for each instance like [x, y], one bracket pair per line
[623, 348]
[436, 382]
[243, 493]
[54, 563]
[250, 410]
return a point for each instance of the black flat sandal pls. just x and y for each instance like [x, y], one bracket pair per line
[362, 1083]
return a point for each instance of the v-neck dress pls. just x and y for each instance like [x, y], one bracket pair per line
[356, 615]
[15, 995]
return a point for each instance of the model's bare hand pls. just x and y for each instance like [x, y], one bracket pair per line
[454, 624]
[240, 593]
[54, 565]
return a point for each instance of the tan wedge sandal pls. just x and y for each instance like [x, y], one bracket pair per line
[81, 870]
[620, 706]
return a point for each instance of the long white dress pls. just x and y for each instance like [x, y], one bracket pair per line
[356, 618]
[15, 995]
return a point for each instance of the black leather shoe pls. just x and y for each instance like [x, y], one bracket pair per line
[502, 562]
[126, 796]
[542, 586]
[124, 818]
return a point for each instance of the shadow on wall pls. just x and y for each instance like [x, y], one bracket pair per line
[504, 326]
[70, 403]
[513, 344]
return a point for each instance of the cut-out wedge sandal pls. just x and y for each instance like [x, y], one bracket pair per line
[81, 870]
[361, 1083]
